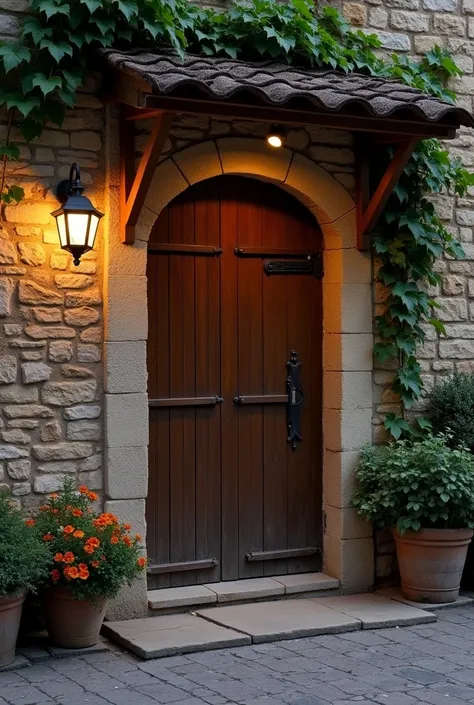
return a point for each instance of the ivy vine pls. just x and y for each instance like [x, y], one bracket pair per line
[41, 72]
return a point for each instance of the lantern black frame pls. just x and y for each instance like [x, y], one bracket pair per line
[70, 193]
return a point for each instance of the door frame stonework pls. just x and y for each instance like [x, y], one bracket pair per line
[347, 342]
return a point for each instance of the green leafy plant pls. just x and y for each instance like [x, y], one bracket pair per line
[41, 72]
[23, 557]
[90, 552]
[451, 408]
[416, 484]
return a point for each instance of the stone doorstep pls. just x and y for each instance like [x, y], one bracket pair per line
[394, 593]
[241, 590]
[259, 622]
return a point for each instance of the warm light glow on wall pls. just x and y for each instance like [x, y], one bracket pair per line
[276, 136]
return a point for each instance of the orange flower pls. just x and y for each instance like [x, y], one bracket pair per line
[69, 557]
[93, 541]
[30, 522]
[48, 537]
[93, 496]
[71, 572]
[127, 540]
[77, 512]
[78, 534]
[138, 537]
[88, 548]
[53, 495]
[95, 564]
[83, 571]
[44, 508]
[127, 527]
[82, 566]
[55, 575]
[141, 562]
[68, 529]
[83, 489]
[114, 539]
[58, 557]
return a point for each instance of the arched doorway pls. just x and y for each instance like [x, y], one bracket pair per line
[233, 288]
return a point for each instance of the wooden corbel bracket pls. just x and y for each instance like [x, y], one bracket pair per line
[369, 208]
[134, 187]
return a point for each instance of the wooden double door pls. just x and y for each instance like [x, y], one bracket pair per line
[234, 365]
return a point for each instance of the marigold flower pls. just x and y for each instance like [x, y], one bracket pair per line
[93, 541]
[78, 534]
[48, 537]
[58, 558]
[55, 575]
[114, 539]
[127, 527]
[30, 522]
[88, 548]
[141, 562]
[44, 508]
[127, 540]
[72, 572]
[68, 529]
[53, 495]
[83, 489]
[93, 496]
[69, 557]
[82, 566]
[77, 512]
[138, 537]
[95, 564]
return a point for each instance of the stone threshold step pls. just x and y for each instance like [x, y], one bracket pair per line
[241, 591]
[258, 622]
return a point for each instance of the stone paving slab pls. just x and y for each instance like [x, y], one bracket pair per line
[153, 637]
[251, 589]
[283, 619]
[395, 593]
[307, 582]
[375, 611]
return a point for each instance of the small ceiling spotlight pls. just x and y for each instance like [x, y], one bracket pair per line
[276, 136]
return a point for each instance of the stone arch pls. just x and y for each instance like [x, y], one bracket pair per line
[347, 339]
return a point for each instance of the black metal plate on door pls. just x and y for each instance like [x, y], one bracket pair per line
[310, 265]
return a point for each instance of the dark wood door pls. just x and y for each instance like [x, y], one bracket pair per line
[231, 292]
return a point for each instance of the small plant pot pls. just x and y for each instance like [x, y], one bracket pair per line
[73, 623]
[10, 616]
[431, 563]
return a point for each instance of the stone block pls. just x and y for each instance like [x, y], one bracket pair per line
[30, 213]
[44, 484]
[73, 281]
[307, 582]
[167, 183]
[239, 155]
[198, 162]
[89, 353]
[7, 287]
[391, 40]
[33, 372]
[347, 429]
[172, 598]
[76, 371]
[347, 308]
[31, 253]
[8, 369]
[409, 21]
[47, 315]
[7, 250]
[82, 412]
[11, 452]
[350, 560]
[16, 436]
[68, 393]
[51, 431]
[19, 469]
[26, 411]
[82, 316]
[347, 266]
[127, 295]
[30, 292]
[355, 13]
[348, 351]
[62, 451]
[16, 394]
[60, 351]
[91, 335]
[451, 25]
[86, 139]
[125, 367]
[91, 297]
[49, 332]
[375, 612]
[347, 390]
[127, 472]
[60, 466]
[250, 589]
[452, 310]
[126, 420]
[84, 430]
[346, 523]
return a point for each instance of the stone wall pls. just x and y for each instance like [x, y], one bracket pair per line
[50, 310]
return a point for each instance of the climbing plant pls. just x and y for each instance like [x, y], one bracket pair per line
[41, 72]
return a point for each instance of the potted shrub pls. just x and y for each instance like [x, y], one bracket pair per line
[424, 491]
[92, 556]
[23, 563]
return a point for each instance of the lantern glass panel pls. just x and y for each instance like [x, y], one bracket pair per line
[61, 221]
[78, 227]
[93, 229]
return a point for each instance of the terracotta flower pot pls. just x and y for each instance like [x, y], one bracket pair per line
[10, 616]
[73, 623]
[431, 562]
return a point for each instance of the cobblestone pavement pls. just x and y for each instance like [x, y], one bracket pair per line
[401, 666]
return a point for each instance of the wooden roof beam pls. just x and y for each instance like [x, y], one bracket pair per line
[134, 188]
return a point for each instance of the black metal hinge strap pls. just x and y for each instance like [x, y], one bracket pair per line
[184, 401]
[284, 553]
[205, 564]
[261, 399]
[295, 399]
[274, 252]
[312, 265]
[165, 248]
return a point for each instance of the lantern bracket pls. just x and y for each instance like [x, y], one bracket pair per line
[67, 187]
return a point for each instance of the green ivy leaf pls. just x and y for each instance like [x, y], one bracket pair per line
[396, 425]
[92, 5]
[24, 105]
[50, 8]
[13, 55]
[54, 111]
[47, 84]
[30, 129]
[57, 51]
[33, 28]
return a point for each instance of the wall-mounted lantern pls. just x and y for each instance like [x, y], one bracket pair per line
[77, 219]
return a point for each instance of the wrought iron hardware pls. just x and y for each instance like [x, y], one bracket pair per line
[166, 248]
[261, 399]
[255, 556]
[295, 399]
[312, 265]
[184, 401]
[264, 252]
[205, 564]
